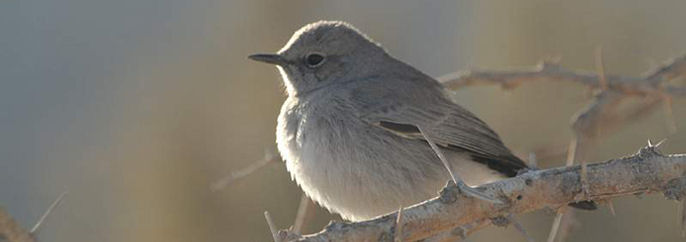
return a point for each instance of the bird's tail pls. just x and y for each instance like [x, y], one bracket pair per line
[585, 205]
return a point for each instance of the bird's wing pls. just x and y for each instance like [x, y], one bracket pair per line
[403, 107]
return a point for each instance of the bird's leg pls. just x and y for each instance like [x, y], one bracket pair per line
[458, 181]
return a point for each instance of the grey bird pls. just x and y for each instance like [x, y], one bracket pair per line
[357, 127]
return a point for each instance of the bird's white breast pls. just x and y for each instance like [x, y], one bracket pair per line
[357, 170]
[343, 171]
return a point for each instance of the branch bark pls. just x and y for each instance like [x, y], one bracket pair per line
[646, 171]
[650, 84]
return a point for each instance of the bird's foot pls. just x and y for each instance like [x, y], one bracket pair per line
[473, 192]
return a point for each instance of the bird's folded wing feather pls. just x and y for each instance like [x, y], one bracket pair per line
[425, 104]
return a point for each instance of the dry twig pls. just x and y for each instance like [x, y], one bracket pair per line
[219, 184]
[549, 71]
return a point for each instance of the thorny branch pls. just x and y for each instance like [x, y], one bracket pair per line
[603, 115]
[551, 71]
[646, 171]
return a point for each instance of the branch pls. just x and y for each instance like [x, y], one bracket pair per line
[603, 115]
[646, 171]
[221, 183]
[551, 71]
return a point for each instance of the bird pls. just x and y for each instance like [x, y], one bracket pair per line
[357, 127]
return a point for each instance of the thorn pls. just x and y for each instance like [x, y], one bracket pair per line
[272, 228]
[533, 163]
[584, 179]
[652, 146]
[583, 174]
[269, 154]
[669, 114]
[571, 151]
[399, 226]
[302, 214]
[611, 206]
[47, 212]
[649, 151]
[551, 63]
[600, 67]
[557, 222]
[236, 175]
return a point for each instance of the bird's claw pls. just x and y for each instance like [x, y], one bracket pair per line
[473, 192]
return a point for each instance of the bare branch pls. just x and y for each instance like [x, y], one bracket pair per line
[646, 171]
[219, 184]
[550, 71]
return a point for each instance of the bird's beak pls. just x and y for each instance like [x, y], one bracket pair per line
[269, 58]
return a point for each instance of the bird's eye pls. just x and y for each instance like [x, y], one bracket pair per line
[314, 59]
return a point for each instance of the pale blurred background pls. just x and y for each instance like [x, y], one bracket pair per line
[135, 106]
